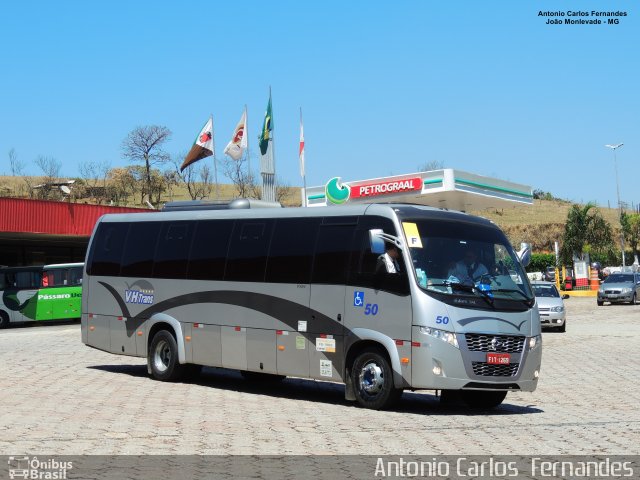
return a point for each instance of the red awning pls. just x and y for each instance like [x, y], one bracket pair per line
[58, 218]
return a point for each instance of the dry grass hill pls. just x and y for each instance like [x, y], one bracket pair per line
[540, 224]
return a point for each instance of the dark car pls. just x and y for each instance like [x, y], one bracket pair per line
[550, 274]
[620, 287]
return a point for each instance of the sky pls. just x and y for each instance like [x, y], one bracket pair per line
[385, 87]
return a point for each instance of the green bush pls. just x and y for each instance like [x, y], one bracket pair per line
[540, 261]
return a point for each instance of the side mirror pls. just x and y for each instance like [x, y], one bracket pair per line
[565, 296]
[524, 254]
[376, 241]
[377, 238]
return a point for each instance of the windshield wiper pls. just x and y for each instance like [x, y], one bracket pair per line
[512, 290]
[486, 295]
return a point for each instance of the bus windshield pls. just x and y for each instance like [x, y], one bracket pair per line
[460, 259]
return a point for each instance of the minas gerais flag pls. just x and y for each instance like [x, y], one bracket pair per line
[267, 126]
[235, 148]
[202, 147]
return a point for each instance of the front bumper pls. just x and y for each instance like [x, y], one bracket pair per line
[552, 319]
[615, 297]
[440, 366]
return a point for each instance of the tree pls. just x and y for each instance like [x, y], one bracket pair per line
[431, 165]
[50, 168]
[631, 229]
[144, 144]
[16, 165]
[95, 174]
[196, 177]
[585, 231]
[240, 176]
[122, 184]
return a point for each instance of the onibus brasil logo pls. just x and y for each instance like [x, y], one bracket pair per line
[32, 468]
[337, 192]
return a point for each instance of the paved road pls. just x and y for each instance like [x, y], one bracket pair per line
[61, 397]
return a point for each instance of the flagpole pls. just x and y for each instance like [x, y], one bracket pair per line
[273, 150]
[244, 136]
[215, 161]
[304, 167]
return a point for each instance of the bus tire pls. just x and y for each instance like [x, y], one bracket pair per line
[372, 379]
[163, 357]
[4, 319]
[482, 399]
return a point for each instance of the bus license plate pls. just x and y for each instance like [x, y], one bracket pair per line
[498, 358]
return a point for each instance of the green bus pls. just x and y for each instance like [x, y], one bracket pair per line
[40, 293]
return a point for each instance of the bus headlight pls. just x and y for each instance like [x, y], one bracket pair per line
[448, 337]
[535, 342]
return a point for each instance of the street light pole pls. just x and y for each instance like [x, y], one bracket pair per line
[615, 166]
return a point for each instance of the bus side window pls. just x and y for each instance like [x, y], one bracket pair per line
[28, 280]
[107, 248]
[291, 253]
[75, 276]
[172, 251]
[332, 254]
[248, 250]
[363, 264]
[208, 254]
[140, 246]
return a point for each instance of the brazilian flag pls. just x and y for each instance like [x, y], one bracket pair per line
[267, 126]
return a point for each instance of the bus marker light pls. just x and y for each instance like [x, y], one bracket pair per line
[139, 333]
[281, 348]
[187, 337]
[404, 360]
[278, 332]
[415, 344]
[399, 343]
[238, 329]
[92, 328]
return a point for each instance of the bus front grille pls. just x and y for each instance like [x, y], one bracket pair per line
[477, 342]
[489, 370]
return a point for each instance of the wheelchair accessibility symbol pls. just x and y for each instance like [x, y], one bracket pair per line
[358, 299]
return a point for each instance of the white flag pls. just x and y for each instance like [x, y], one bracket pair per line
[301, 153]
[235, 148]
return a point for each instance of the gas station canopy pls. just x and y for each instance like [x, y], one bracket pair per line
[447, 188]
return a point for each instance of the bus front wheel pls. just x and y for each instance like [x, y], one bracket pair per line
[163, 357]
[372, 379]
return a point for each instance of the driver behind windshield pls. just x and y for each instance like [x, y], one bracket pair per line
[469, 270]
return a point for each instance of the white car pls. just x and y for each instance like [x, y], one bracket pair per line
[550, 305]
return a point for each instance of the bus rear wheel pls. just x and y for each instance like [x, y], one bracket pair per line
[482, 399]
[372, 379]
[4, 320]
[163, 357]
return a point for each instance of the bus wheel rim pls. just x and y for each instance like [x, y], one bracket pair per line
[371, 378]
[162, 356]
